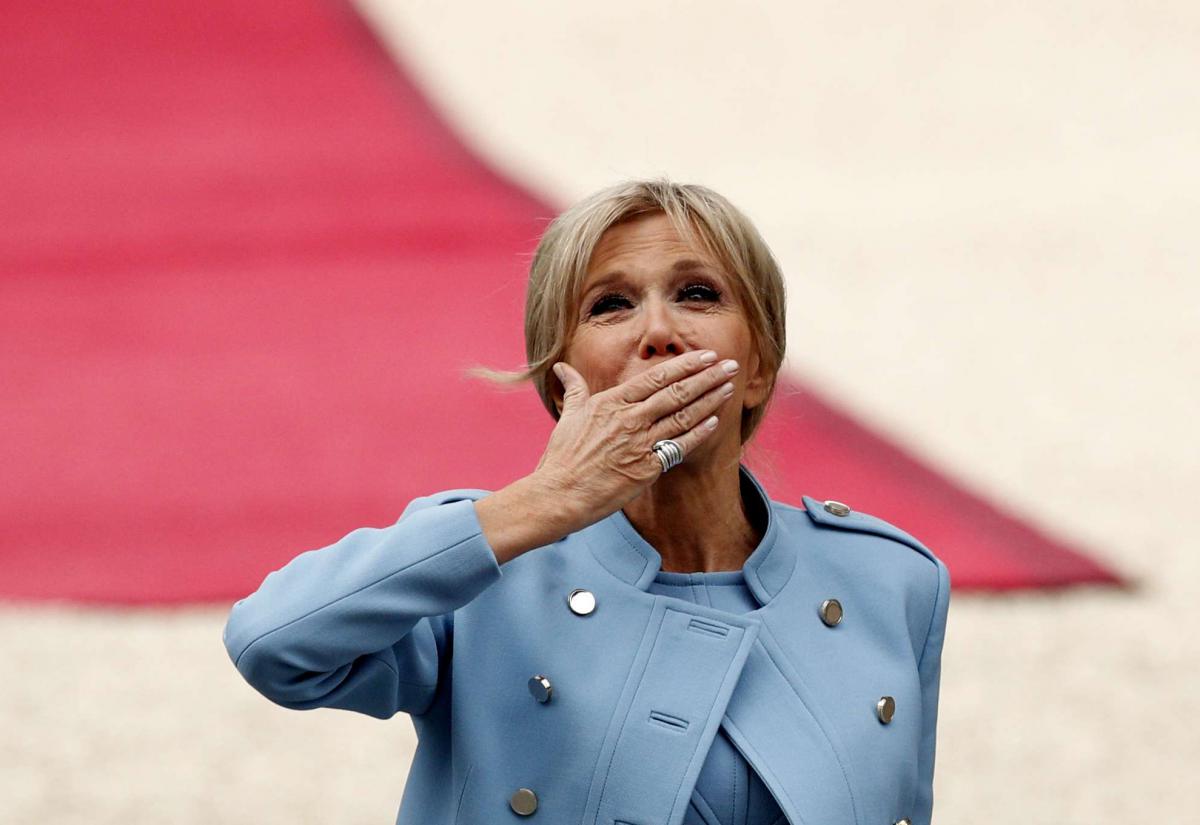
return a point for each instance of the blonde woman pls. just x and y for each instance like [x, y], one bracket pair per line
[634, 633]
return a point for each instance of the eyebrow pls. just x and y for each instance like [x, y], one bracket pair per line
[682, 265]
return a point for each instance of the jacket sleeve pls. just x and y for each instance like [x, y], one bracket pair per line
[362, 624]
[930, 669]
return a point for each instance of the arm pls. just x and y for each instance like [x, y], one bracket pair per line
[930, 668]
[360, 624]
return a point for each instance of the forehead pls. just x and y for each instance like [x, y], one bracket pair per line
[649, 240]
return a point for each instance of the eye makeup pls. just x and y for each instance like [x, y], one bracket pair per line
[700, 290]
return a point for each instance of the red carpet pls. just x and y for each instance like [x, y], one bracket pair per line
[243, 266]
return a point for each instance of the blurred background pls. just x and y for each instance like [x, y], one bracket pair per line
[247, 249]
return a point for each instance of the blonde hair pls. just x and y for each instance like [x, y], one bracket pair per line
[703, 218]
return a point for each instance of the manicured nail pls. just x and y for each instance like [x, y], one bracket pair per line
[710, 423]
[708, 357]
[727, 388]
[730, 366]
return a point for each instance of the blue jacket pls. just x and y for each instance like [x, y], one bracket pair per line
[527, 703]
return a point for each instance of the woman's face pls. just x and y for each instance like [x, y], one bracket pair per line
[648, 297]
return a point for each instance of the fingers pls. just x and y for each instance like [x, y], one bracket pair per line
[693, 416]
[689, 440]
[675, 397]
[575, 388]
[663, 375]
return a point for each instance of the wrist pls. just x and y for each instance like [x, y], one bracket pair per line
[530, 512]
[555, 501]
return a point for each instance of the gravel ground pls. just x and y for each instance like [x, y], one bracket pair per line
[988, 220]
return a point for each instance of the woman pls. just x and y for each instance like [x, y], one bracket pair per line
[634, 633]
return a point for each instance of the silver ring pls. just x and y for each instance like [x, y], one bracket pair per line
[669, 453]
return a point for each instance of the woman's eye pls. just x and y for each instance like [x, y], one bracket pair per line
[704, 293]
[692, 293]
[608, 302]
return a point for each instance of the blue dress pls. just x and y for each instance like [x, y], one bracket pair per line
[728, 790]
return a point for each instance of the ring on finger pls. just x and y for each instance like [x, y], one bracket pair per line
[669, 453]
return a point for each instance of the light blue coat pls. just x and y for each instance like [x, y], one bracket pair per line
[419, 618]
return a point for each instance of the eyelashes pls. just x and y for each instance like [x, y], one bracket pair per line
[696, 293]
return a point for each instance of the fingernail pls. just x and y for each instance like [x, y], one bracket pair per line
[730, 366]
[710, 422]
[708, 357]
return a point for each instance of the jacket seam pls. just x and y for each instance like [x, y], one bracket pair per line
[367, 586]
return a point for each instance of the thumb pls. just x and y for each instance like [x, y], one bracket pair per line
[575, 390]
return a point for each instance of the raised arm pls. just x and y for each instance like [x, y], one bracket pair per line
[363, 623]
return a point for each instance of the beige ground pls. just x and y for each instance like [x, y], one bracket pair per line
[989, 216]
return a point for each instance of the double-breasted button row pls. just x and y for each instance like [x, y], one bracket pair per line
[831, 614]
[524, 801]
[582, 602]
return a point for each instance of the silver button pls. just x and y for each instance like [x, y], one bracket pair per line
[540, 687]
[524, 801]
[837, 508]
[831, 612]
[905, 821]
[885, 708]
[581, 601]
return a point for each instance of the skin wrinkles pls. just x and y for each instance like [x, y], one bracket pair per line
[693, 515]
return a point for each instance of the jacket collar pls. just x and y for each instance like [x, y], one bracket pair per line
[622, 551]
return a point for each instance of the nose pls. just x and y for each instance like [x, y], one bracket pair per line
[659, 337]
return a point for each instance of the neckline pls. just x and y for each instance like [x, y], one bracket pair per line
[708, 577]
[622, 551]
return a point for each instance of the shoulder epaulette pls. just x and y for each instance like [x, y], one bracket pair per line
[835, 514]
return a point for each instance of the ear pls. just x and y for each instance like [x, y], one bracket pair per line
[758, 383]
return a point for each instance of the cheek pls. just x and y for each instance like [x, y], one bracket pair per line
[598, 364]
[732, 338]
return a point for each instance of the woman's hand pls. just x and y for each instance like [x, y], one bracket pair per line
[598, 458]
[599, 454]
